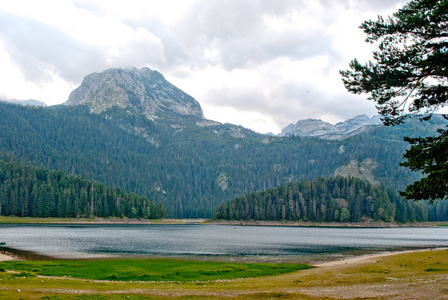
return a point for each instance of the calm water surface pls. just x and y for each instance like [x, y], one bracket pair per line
[217, 242]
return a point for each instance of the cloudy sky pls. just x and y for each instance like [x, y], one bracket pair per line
[262, 64]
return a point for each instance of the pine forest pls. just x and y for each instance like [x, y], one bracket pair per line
[336, 199]
[36, 192]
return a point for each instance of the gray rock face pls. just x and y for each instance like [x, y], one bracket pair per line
[319, 128]
[356, 123]
[363, 169]
[287, 130]
[144, 91]
[312, 127]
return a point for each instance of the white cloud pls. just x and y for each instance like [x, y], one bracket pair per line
[72, 42]
[259, 63]
[15, 86]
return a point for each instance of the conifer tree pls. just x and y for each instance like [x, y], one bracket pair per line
[408, 78]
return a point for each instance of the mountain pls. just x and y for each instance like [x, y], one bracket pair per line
[31, 102]
[143, 91]
[174, 155]
[319, 128]
[353, 125]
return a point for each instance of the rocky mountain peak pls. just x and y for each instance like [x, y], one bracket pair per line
[319, 128]
[356, 123]
[141, 90]
[312, 127]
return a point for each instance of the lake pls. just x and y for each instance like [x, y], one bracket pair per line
[216, 242]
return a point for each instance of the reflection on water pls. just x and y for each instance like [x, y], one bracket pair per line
[219, 242]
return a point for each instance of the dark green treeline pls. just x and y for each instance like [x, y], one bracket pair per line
[336, 199]
[27, 191]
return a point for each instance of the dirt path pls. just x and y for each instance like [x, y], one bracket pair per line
[368, 258]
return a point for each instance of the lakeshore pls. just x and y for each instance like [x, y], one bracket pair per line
[365, 224]
[419, 274]
[113, 220]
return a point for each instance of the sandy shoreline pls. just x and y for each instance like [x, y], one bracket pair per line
[7, 256]
[4, 257]
[369, 257]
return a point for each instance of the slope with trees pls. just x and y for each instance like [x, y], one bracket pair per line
[336, 199]
[27, 191]
[190, 168]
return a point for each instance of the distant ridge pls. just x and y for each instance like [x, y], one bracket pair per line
[31, 102]
[319, 128]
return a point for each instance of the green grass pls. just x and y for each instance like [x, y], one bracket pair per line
[414, 275]
[149, 269]
[29, 220]
[441, 224]
[92, 220]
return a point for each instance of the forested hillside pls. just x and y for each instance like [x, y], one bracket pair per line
[36, 192]
[189, 163]
[336, 199]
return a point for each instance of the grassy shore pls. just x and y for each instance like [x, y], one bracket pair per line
[148, 269]
[93, 220]
[411, 275]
